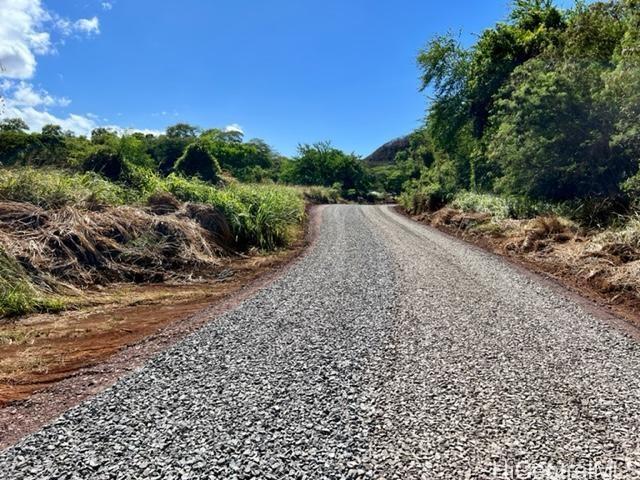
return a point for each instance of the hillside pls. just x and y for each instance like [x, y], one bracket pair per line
[386, 154]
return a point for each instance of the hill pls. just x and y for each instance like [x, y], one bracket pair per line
[385, 155]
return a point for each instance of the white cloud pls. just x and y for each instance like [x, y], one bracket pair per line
[26, 30]
[36, 119]
[22, 37]
[90, 26]
[24, 95]
[234, 127]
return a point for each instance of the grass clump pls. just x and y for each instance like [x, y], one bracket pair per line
[260, 215]
[18, 295]
[419, 197]
[500, 207]
[321, 195]
[628, 235]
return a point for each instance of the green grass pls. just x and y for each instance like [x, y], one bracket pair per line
[52, 188]
[321, 195]
[262, 216]
[17, 295]
[500, 207]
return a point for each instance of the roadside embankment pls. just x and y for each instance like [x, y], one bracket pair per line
[603, 264]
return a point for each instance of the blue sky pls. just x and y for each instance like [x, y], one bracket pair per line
[286, 71]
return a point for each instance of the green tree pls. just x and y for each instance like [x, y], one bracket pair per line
[13, 125]
[553, 132]
[322, 164]
[106, 161]
[182, 130]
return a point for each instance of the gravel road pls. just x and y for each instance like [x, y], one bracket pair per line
[390, 351]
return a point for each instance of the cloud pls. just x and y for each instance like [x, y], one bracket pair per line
[36, 119]
[24, 95]
[90, 26]
[234, 127]
[26, 31]
[22, 37]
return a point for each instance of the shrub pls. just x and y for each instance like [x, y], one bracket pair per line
[17, 295]
[197, 161]
[419, 198]
[321, 195]
[106, 161]
[162, 203]
[500, 207]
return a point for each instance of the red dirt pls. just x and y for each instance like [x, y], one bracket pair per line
[56, 361]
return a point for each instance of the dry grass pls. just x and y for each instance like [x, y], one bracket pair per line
[71, 247]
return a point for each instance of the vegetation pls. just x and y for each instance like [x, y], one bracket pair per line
[133, 207]
[542, 112]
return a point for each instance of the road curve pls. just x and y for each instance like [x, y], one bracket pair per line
[390, 351]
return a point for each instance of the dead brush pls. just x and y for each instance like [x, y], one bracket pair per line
[82, 248]
[623, 243]
[162, 203]
[542, 231]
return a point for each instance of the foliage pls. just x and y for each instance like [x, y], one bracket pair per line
[198, 161]
[542, 108]
[50, 188]
[322, 164]
[321, 195]
[18, 295]
[106, 161]
[419, 197]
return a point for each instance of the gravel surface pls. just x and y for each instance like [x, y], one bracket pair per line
[389, 351]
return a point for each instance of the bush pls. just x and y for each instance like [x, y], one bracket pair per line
[501, 207]
[106, 161]
[263, 216]
[419, 197]
[197, 161]
[321, 195]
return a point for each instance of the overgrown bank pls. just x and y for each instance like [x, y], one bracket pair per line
[602, 263]
[61, 231]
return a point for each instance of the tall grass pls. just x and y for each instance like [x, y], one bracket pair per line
[500, 207]
[262, 216]
[52, 188]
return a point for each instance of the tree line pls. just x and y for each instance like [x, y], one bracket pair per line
[545, 106]
[183, 149]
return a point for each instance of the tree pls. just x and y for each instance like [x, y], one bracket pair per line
[52, 131]
[197, 161]
[182, 130]
[103, 136]
[322, 164]
[623, 87]
[553, 132]
[13, 125]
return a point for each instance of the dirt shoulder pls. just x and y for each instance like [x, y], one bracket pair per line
[49, 363]
[604, 272]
